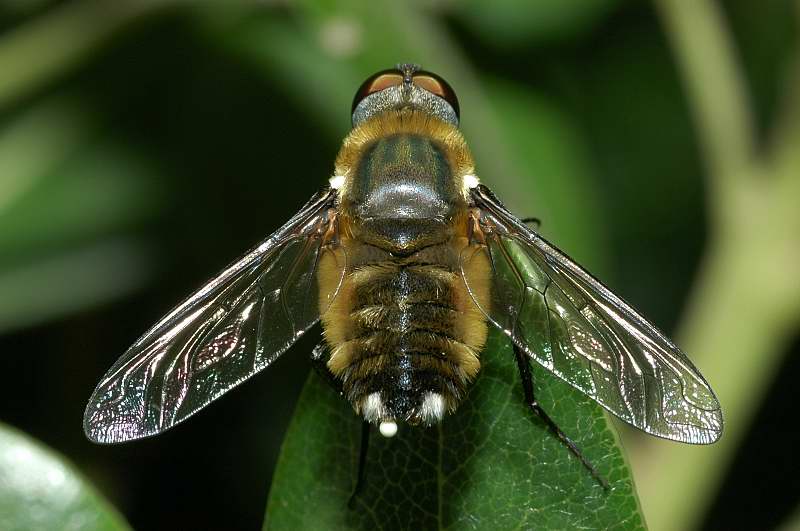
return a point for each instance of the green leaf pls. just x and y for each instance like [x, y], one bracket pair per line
[65, 195]
[69, 281]
[513, 23]
[40, 490]
[558, 186]
[490, 465]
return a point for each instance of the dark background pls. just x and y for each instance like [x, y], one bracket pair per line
[180, 137]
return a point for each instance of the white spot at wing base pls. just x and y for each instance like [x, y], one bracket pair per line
[471, 181]
[337, 181]
[388, 428]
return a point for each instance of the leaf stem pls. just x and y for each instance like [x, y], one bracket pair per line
[715, 87]
[754, 248]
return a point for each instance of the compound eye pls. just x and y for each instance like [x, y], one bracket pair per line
[438, 87]
[376, 83]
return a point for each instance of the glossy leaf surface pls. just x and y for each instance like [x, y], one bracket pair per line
[490, 465]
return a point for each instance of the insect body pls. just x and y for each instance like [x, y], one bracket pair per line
[407, 260]
[404, 333]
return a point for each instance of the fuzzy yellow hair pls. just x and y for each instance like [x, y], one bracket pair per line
[405, 121]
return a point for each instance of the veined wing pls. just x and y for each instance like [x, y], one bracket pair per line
[234, 326]
[576, 328]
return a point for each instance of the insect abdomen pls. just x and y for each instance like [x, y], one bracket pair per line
[405, 338]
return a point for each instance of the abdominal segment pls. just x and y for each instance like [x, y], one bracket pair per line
[404, 338]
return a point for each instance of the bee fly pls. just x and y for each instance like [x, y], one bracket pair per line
[407, 260]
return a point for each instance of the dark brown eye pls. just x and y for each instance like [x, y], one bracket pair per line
[437, 86]
[394, 77]
[375, 83]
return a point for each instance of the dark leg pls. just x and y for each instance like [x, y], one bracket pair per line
[527, 386]
[319, 359]
[362, 464]
[532, 221]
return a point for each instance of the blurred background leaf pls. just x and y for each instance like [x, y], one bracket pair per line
[64, 198]
[39, 489]
[516, 23]
[145, 144]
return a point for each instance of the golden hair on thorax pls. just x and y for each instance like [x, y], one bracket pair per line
[408, 121]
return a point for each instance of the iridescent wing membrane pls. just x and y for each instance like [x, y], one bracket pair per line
[233, 327]
[571, 324]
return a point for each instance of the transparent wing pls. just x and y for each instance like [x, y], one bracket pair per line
[233, 327]
[571, 324]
